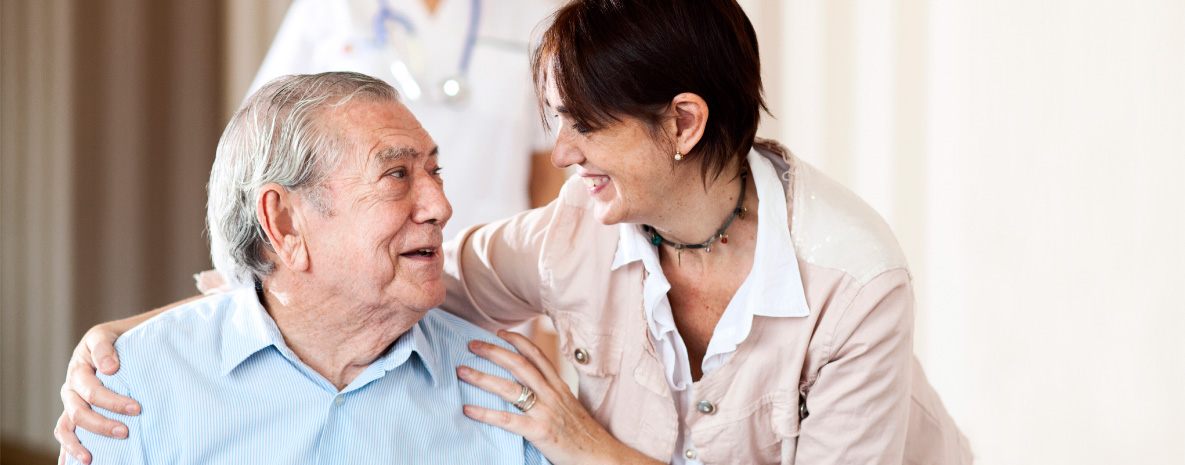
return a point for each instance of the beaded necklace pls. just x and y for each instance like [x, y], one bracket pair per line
[740, 210]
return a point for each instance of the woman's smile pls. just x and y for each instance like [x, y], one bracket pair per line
[595, 183]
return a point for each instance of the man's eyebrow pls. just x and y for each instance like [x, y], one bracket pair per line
[389, 154]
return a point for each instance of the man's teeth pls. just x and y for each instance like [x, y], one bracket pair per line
[595, 181]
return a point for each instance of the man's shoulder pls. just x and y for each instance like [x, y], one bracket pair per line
[189, 334]
[451, 330]
[190, 321]
[449, 337]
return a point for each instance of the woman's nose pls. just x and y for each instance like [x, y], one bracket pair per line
[565, 153]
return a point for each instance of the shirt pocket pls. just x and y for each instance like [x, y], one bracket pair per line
[594, 352]
[765, 434]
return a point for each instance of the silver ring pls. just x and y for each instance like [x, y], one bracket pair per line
[526, 400]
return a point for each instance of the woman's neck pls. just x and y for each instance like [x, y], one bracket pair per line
[697, 213]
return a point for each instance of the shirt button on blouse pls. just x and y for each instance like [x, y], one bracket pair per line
[339, 400]
[581, 356]
[690, 454]
[706, 408]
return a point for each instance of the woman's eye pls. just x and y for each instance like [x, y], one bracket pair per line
[580, 128]
[436, 171]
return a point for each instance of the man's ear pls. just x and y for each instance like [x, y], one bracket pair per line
[691, 118]
[282, 222]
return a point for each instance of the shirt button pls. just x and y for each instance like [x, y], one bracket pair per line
[339, 400]
[690, 454]
[706, 408]
[581, 356]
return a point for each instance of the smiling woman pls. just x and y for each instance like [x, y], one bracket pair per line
[777, 309]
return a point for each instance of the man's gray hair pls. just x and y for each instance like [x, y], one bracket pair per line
[279, 136]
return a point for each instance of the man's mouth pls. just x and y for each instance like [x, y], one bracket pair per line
[424, 252]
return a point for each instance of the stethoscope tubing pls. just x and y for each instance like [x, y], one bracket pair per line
[386, 13]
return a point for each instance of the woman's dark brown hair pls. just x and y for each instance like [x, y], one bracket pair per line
[615, 58]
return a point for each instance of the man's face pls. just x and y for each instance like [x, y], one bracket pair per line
[380, 244]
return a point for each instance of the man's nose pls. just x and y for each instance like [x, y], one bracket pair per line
[431, 204]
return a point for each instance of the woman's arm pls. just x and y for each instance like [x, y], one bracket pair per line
[859, 404]
[493, 272]
[83, 389]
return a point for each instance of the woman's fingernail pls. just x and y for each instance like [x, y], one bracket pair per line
[119, 431]
[475, 345]
[108, 364]
[132, 409]
[463, 371]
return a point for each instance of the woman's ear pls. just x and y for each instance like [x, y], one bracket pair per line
[281, 220]
[691, 117]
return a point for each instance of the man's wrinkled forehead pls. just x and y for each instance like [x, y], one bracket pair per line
[381, 132]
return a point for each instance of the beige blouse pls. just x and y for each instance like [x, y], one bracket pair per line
[839, 386]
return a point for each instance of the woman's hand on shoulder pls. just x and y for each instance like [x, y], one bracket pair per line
[83, 389]
[555, 423]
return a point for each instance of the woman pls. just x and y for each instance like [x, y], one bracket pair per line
[722, 301]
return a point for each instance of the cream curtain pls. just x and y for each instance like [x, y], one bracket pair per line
[1029, 156]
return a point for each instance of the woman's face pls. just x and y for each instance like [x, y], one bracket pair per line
[626, 172]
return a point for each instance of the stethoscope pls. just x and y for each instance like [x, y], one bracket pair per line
[453, 89]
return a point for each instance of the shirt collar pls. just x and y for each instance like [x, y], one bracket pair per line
[414, 340]
[249, 329]
[776, 283]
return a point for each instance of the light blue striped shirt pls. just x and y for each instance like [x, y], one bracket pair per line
[218, 384]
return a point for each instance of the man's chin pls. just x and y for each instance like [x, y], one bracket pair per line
[431, 295]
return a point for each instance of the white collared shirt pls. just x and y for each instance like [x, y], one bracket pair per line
[765, 292]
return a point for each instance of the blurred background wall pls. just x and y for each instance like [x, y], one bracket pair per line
[111, 110]
[1028, 154]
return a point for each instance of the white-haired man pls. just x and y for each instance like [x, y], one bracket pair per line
[326, 194]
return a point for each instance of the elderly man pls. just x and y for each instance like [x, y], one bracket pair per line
[326, 194]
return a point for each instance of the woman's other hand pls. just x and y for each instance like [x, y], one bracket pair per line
[83, 389]
[556, 423]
